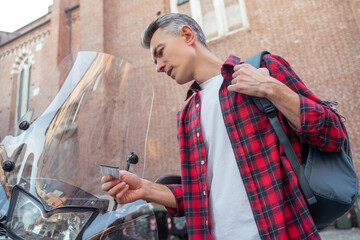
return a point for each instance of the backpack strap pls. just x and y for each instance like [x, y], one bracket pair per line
[255, 60]
[266, 107]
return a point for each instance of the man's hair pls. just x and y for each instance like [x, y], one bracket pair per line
[171, 23]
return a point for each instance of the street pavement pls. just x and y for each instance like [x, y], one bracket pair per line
[332, 233]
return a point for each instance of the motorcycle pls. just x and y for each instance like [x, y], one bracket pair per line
[95, 110]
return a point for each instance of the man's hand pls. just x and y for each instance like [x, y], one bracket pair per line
[128, 188]
[258, 82]
[251, 81]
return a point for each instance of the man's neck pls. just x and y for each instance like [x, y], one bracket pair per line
[207, 66]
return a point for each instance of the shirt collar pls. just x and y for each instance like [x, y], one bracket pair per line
[229, 64]
[227, 67]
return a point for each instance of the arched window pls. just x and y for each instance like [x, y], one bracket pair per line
[23, 88]
[216, 17]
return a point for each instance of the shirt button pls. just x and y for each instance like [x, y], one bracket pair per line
[197, 105]
[204, 192]
[202, 162]
[198, 134]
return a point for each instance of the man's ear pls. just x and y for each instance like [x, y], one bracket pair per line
[188, 34]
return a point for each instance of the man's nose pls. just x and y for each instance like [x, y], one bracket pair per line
[160, 66]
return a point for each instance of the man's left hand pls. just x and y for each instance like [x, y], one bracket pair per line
[250, 81]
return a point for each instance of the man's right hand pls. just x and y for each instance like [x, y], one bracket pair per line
[128, 188]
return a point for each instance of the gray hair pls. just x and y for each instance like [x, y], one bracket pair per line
[171, 23]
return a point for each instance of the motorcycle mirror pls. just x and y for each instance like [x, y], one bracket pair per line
[8, 166]
[24, 125]
[131, 159]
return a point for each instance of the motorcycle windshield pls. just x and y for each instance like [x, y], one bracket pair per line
[94, 111]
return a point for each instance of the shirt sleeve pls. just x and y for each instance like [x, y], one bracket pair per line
[179, 211]
[320, 127]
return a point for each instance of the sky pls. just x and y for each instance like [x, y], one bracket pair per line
[15, 14]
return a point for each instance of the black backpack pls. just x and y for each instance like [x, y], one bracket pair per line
[327, 180]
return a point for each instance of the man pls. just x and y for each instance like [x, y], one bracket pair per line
[236, 180]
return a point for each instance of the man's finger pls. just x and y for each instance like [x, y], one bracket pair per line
[236, 74]
[115, 189]
[234, 80]
[109, 184]
[106, 178]
[237, 67]
[121, 193]
[264, 71]
[234, 88]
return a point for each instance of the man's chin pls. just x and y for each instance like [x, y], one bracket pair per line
[183, 82]
[179, 81]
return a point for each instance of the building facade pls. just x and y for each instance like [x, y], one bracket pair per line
[320, 39]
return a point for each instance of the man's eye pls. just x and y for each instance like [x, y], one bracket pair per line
[160, 53]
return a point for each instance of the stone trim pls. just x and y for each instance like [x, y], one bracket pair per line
[25, 53]
[25, 44]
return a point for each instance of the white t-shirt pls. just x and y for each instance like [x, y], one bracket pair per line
[230, 213]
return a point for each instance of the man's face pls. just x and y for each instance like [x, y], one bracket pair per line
[173, 56]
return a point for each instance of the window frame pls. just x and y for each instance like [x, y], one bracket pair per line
[23, 88]
[220, 14]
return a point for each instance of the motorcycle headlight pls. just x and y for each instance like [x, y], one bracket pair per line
[28, 219]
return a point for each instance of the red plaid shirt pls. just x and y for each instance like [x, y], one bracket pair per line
[279, 209]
